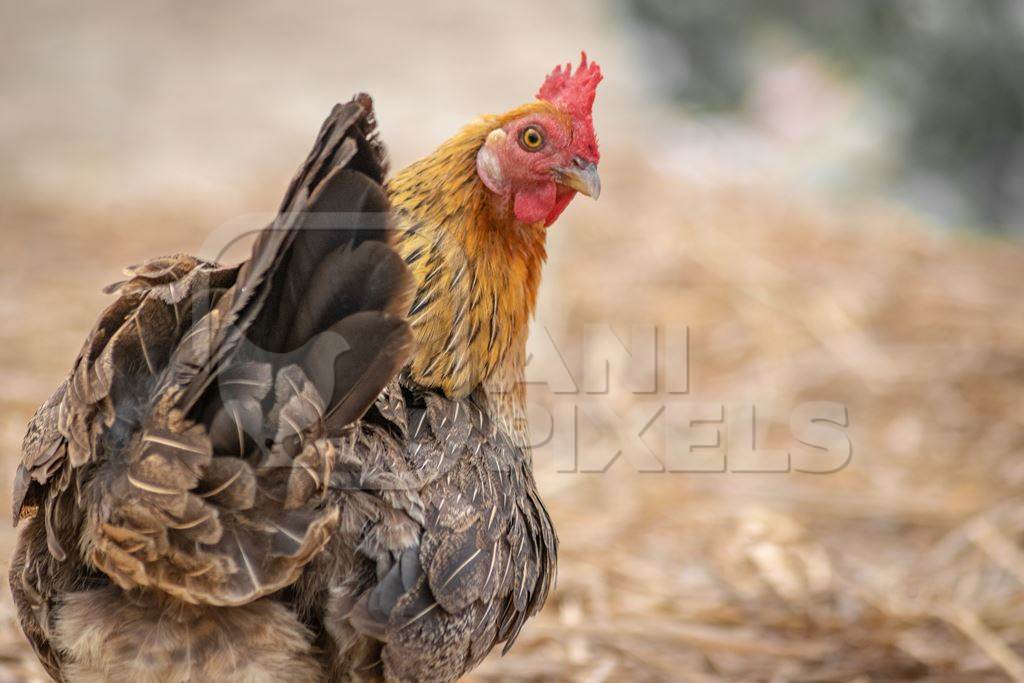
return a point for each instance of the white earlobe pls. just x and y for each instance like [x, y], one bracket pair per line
[488, 167]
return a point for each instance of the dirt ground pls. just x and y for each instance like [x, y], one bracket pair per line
[134, 132]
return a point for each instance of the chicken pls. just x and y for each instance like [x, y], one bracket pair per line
[313, 466]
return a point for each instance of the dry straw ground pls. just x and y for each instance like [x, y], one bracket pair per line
[127, 142]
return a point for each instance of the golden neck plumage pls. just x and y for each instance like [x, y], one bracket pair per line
[477, 269]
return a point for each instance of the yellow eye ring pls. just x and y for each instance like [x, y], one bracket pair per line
[531, 138]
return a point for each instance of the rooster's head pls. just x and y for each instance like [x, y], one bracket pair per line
[543, 153]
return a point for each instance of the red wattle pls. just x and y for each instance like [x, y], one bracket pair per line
[535, 204]
[562, 199]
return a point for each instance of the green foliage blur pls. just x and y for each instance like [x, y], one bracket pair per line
[951, 71]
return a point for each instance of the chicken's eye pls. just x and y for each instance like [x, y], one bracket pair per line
[531, 139]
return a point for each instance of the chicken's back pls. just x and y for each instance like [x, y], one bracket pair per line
[176, 483]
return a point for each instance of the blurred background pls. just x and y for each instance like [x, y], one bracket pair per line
[826, 198]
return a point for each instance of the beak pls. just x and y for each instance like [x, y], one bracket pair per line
[580, 176]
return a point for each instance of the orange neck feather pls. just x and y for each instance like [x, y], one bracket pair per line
[476, 267]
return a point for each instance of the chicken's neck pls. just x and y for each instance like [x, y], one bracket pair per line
[477, 271]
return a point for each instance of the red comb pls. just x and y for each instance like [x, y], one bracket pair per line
[574, 92]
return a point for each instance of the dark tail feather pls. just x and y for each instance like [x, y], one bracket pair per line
[348, 209]
[353, 360]
[371, 277]
[345, 153]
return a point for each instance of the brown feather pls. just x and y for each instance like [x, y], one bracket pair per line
[167, 510]
[235, 481]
